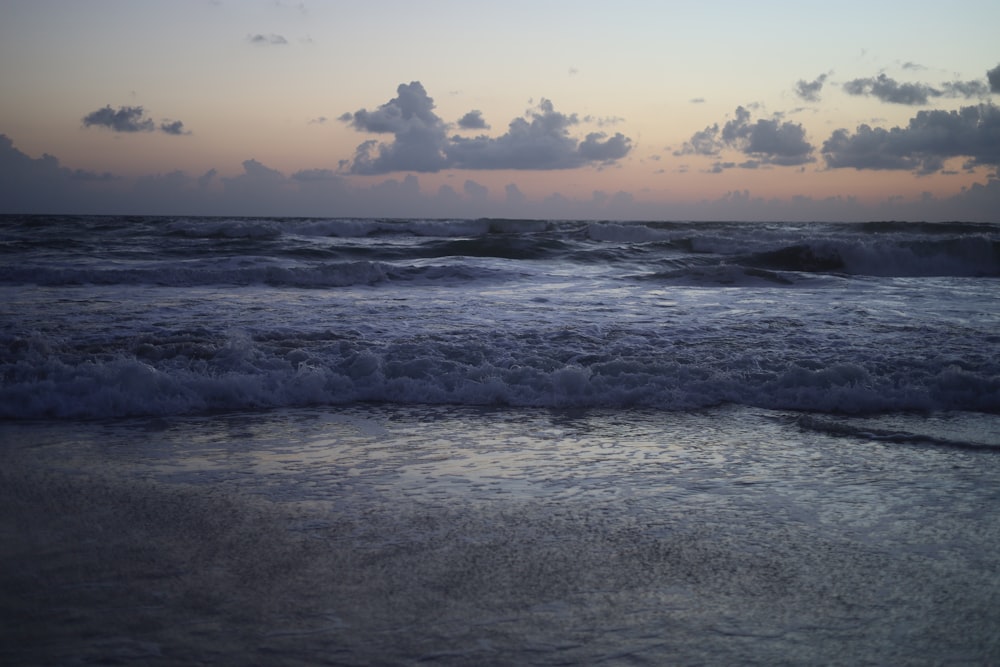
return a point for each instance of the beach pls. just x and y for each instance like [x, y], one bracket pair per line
[389, 534]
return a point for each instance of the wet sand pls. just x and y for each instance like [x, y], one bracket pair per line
[381, 535]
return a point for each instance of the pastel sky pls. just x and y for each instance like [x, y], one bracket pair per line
[595, 110]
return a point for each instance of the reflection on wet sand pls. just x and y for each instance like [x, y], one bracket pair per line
[381, 534]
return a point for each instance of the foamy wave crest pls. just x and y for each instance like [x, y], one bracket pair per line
[194, 372]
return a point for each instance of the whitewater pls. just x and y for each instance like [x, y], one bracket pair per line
[110, 317]
[484, 441]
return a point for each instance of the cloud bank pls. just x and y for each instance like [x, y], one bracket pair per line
[43, 185]
[540, 140]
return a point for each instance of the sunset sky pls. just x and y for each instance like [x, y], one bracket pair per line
[627, 110]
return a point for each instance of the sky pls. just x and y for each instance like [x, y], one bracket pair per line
[543, 109]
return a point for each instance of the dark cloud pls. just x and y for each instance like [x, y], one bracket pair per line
[255, 172]
[705, 142]
[420, 136]
[966, 89]
[130, 119]
[125, 119]
[889, 90]
[993, 76]
[266, 39]
[175, 127]
[540, 140]
[411, 110]
[473, 121]
[765, 141]
[315, 175]
[913, 94]
[809, 90]
[475, 190]
[206, 179]
[930, 138]
[597, 146]
[514, 194]
[42, 185]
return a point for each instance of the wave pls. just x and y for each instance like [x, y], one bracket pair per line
[957, 430]
[971, 256]
[885, 249]
[363, 227]
[195, 371]
[261, 272]
[236, 228]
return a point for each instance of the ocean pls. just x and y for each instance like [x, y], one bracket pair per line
[359, 441]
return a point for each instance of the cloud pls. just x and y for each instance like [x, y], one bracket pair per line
[514, 194]
[255, 172]
[993, 76]
[889, 90]
[598, 147]
[966, 89]
[540, 140]
[930, 138]
[125, 119]
[473, 121]
[130, 119]
[42, 185]
[315, 175]
[912, 94]
[206, 179]
[768, 141]
[704, 142]
[175, 127]
[603, 121]
[475, 190]
[809, 90]
[420, 136]
[266, 39]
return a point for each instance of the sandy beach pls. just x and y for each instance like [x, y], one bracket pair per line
[392, 535]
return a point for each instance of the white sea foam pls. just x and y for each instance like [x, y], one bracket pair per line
[120, 316]
[180, 376]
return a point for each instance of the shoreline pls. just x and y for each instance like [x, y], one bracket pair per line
[388, 534]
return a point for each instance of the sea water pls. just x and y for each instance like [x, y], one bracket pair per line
[306, 441]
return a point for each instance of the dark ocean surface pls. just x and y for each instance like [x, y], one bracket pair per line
[309, 441]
